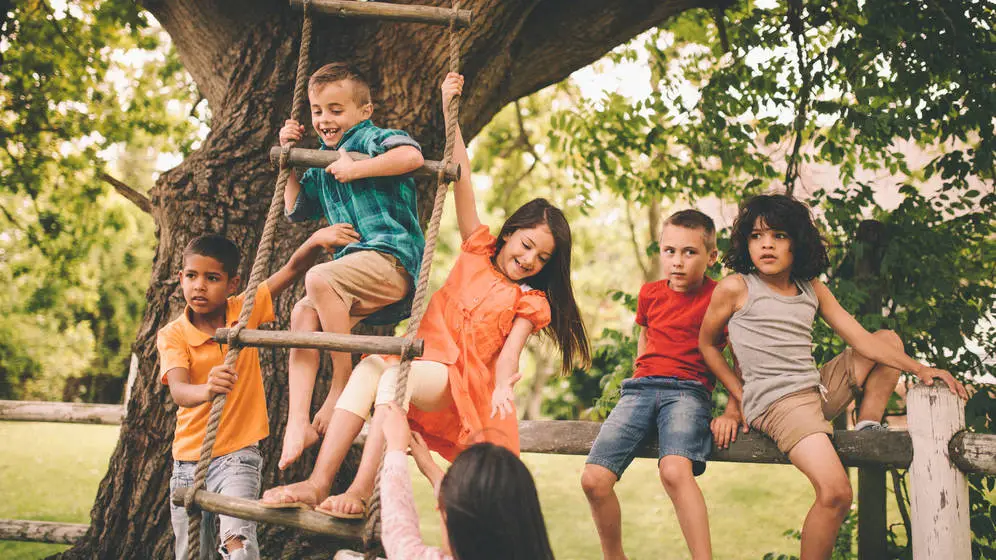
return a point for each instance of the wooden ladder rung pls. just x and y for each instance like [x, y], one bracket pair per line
[386, 11]
[392, 345]
[351, 530]
[304, 157]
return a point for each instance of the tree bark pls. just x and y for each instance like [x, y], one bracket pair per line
[242, 55]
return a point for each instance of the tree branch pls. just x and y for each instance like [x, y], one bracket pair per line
[794, 14]
[131, 194]
[635, 243]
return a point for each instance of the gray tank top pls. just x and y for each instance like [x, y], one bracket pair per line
[772, 337]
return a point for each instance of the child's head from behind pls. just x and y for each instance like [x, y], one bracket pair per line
[688, 248]
[209, 274]
[340, 99]
[534, 247]
[774, 234]
[490, 507]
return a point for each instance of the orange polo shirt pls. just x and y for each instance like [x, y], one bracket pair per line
[244, 420]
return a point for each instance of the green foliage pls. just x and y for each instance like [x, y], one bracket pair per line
[87, 87]
[852, 85]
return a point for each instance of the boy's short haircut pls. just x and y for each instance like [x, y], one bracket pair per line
[340, 71]
[693, 219]
[217, 247]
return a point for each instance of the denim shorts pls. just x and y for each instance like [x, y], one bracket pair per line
[235, 474]
[680, 410]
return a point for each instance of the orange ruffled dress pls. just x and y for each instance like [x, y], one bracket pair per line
[465, 326]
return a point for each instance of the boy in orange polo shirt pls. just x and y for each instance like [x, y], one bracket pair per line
[193, 367]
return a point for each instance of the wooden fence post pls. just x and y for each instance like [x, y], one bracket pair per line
[938, 490]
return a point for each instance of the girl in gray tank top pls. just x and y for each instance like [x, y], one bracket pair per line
[772, 339]
[769, 308]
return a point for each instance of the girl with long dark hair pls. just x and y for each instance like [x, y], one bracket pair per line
[500, 291]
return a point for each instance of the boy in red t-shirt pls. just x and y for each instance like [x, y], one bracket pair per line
[670, 389]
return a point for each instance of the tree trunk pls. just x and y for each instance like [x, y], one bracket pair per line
[242, 54]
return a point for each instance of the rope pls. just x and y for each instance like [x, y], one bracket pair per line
[259, 268]
[372, 529]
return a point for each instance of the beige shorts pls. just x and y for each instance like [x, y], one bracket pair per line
[367, 281]
[799, 414]
[374, 381]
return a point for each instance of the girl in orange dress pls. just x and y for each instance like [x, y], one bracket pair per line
[501, 290]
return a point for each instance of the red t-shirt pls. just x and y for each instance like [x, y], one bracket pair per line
[672, 320]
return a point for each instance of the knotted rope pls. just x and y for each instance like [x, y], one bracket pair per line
[260, 267]
[372, 529]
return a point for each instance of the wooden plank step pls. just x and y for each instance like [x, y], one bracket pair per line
[306, 520]
[304, 157]
[77, 413]
[41, 531]
[354, 343]
[385, 11]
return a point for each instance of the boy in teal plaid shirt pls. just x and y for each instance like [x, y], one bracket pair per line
[373, 212]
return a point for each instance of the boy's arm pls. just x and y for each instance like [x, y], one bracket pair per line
[845, 325]
[641, 342]
[188, 395]
[395, 161]
[292, 131]
[327, 239]
[721, 307]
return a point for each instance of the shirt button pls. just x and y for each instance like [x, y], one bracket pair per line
[477, 299]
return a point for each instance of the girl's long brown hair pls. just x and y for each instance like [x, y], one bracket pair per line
[566, 327]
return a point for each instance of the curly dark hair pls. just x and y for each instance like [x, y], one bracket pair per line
[784, 213]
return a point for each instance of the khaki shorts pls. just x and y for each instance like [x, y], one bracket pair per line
[367, 281]
[799, 414]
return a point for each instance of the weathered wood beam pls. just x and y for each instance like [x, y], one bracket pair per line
[250, 509]
[973, 453]
[41, 531]
[938, 489]
[305, 157]
[386, 11]
[888, 449]
[79, 413]
[393, 345]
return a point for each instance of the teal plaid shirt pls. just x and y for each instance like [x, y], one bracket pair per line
[381, 209]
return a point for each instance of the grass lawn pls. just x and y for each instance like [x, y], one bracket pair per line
[50, 472]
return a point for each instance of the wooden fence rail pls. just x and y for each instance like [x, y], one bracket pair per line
[937, 451]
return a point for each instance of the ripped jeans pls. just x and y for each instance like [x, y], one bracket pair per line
[236, 474]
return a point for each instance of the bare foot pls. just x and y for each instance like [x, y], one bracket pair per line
[324, 415]
[348, 505]
[297, 437]
[303, 492]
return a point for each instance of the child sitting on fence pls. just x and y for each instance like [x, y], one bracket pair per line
[193, 367]
[474, 329]
[380, 242]
[670, 390]
[769, 308]
[487, 501]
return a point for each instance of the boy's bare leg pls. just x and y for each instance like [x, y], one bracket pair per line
[333, 313]
[362, 486]
[878, 380]
[815, 456]
[334, 448]
[689, 504]
[301, 372]
[598, 483]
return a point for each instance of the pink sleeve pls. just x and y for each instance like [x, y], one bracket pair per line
[400, 534]
[480, 242]
[534, 307]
